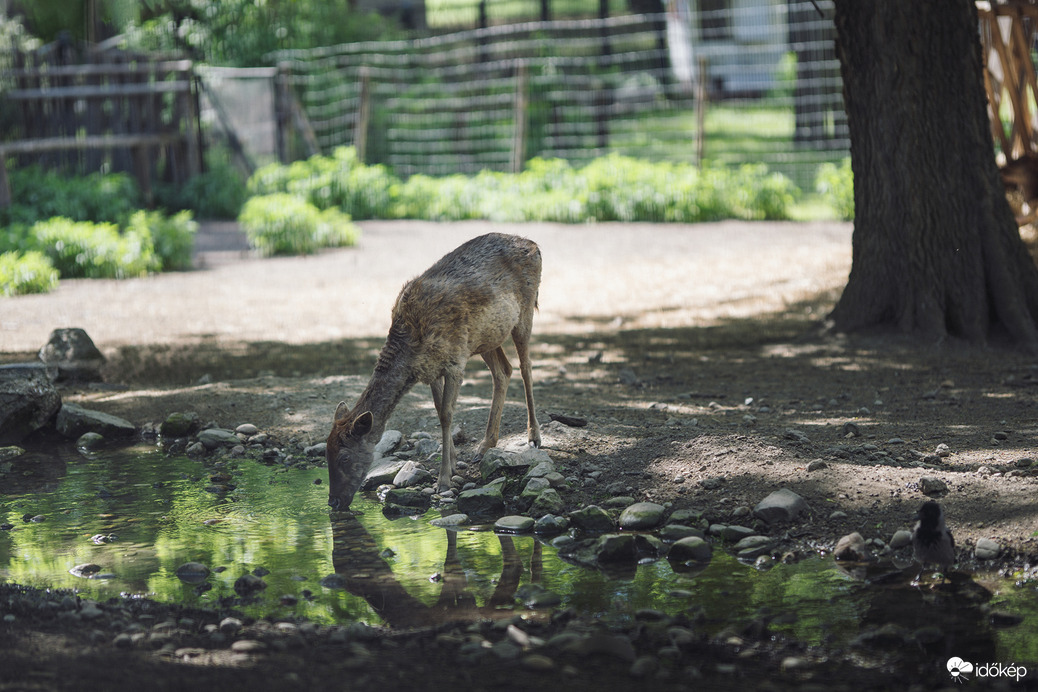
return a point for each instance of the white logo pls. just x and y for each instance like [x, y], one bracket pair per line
[959, 669]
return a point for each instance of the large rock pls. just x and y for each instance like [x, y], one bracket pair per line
[73, 354]
[592, 518]
[382, 471]
[485, 500]
[498, 462]
[74, 420]
[642, 516]
[28, 400]
[780, 506]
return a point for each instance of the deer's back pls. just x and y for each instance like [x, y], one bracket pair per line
[474, 295]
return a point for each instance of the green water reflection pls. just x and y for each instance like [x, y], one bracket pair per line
[240, 516]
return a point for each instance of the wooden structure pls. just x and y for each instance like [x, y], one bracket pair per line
[1008, 33]
[117, 111]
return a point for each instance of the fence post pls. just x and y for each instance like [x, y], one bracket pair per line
[282, 111]
[360, 129]
[522, 83]
[701, 95]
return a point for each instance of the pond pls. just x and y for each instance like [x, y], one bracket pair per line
[123, 522]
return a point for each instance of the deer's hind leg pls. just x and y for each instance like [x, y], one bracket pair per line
[501, 372]
[445, 398]
[521, 338]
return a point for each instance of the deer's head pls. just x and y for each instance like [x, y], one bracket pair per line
[349, 455]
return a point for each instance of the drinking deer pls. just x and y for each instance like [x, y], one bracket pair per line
[465, 304]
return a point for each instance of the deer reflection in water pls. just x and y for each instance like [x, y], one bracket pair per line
[365, 573]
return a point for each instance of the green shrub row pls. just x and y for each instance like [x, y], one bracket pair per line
[612, 188]
[38, 194]
[283, 224]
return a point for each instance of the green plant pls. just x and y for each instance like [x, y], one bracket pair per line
[38, 194]
[29, 272]
[172, 236]
[282, 224]
[836, 185]
[82, 249]
[218, 193]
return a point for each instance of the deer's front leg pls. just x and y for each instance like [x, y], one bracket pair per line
[448, 397]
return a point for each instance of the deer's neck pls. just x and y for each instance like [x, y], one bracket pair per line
[393, 378]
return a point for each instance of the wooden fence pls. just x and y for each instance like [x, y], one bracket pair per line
[116, 111]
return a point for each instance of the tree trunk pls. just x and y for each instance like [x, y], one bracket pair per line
[936, 250]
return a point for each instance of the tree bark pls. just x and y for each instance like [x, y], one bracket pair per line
[936, 250]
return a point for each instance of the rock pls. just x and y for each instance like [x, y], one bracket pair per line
[943, 450]
[514, 524]
[410, 474]
[731, 533]
[407, 497]
[28, 400]
[675, 532]
[534, 487]
[932, 486]
[548, 502]
[73, 354]
[549, 524]
[796, 436]
[752, 547]
[248, 584]
[388, 443]
[692, 549]
[180, 425]
[316, 450]
[541, 470]
[214, 438]
[851, 547]
[485, 500]
[612, 646]
[592, 518]
[817, 465]
[987, 549]
[536, 596]
[900, 539]
[74, 420]
[780, 506]
[382, 472]
[497, 462]
[247, 429]
[90, 441]
[86, 570]
[450, 520]
[192, 572]
[642, 516]
[426, 447]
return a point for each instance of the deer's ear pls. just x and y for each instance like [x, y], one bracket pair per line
[341, 411]
[362, 426]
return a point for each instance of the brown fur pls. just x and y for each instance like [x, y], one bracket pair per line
[468, 303]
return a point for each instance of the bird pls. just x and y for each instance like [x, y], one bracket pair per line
[932, 542]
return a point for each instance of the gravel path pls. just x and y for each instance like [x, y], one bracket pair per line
[595, 276]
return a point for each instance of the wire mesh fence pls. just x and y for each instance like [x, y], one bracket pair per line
[756, 84]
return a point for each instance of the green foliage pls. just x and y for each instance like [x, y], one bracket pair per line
[218, 193]
[29, 272]
[283, 224]
[172, 236]
[82, 249]
[38, 194]
[612, 188]
[836, 184]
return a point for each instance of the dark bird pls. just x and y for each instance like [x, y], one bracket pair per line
[932, 542]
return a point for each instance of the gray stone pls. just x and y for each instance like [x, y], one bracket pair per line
[932, 486]
[900, 539]
[383, 471]
[409, 474]
[73, 354]
[592, 518]
[90, 441]
[214, 438]
[426, 447]
[247, 429]
[28, 400]
[642, 516]
[753, 547]
[388, 443]
[987, 549]
[180, 425]
[450, 520]
[550, 523]
[192, 572]
[548, 502]
[851, 547]
[248, 584]
[541, 470]
[74, 420]
[514, 524]
[500, 461]
[407, 497]
[485, 500]
[534, 487]
[731, 533]
[675, 532]
[780, 506]
[317, 450]
[691, 549]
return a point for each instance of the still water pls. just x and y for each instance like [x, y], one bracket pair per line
[136, 515]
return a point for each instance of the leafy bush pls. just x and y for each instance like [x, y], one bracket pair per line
[172, 236]
[282, 224]
[836, 184]
[39, 194]
[82, 249]
[218, 193]
[29, 272]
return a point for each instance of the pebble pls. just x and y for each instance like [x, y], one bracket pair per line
[932, 486]
[851, 547]
[901, 539]
[247, 429]
[642, 516]
[987, 549]
[780, 506]
[514, 524]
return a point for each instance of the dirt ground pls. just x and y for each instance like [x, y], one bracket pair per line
[695, 353]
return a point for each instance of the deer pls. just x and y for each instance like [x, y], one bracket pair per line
[466, 304]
